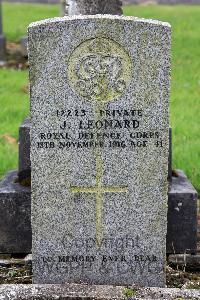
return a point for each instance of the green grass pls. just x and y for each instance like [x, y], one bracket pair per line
[14, 107]
[18, 16]
[185, 90]
[129, 293]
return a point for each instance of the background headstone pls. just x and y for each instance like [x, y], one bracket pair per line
[2, 37]
[93, 7]
[63, 8]
[99, 149]
[182, 216]
[24, 45]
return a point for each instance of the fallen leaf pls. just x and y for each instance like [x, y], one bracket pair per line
[25, 89]
[9, 139]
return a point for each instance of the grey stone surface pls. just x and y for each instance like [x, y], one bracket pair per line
[99, 149]
[15, 215]
[182, 216]
[93, 7]
[89, 292]
[24, 146]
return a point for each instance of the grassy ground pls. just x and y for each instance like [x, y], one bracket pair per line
[14, 106]
[18, 16]
[185, 92]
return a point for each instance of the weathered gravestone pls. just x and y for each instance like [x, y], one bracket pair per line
[99, 149]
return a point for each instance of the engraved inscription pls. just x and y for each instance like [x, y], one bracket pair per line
[104, 263]
[99, 70]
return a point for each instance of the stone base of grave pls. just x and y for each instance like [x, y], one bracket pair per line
[82, 291]
[187, 261]
[15, 215]
[182, 216]
[2, 48]
[24, 146]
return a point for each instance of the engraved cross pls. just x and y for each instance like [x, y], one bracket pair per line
[99, 190]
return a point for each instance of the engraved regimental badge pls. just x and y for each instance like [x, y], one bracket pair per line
[99, 70]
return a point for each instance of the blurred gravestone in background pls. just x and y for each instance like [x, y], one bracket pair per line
[63, 8]
[2, 38]
[93, 7]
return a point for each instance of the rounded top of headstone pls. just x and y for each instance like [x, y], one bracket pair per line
[89, 18]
